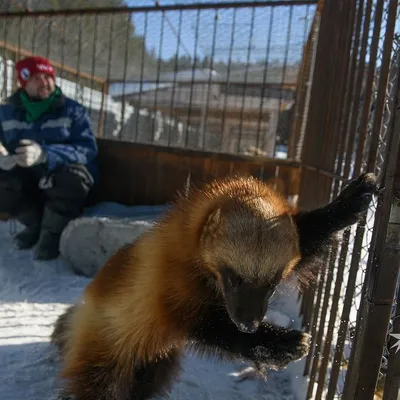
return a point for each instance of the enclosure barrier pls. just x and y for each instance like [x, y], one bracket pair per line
[352, 128]
[206, 78]
[303, 95]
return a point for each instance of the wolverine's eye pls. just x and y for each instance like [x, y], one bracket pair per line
[234, 281]
[230, 277]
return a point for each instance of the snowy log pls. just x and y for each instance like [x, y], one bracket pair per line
[88, 242]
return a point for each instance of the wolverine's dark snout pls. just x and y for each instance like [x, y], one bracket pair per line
[245, 303]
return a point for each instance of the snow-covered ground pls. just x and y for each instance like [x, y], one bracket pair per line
[33, 294]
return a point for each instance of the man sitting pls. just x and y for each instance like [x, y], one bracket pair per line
[47, 158]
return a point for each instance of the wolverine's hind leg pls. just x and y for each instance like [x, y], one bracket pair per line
[59, 335]
[105, 380]
[156, 378]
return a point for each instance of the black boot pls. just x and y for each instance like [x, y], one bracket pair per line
[30, 235]
[51, 230]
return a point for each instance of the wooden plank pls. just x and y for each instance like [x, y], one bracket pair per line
[106, 145]
[134, 174]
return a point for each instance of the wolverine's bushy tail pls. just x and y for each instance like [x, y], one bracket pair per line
[60, 333]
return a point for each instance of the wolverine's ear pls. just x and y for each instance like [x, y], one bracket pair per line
[211, 225]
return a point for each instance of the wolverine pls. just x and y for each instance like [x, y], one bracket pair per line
[201, 278]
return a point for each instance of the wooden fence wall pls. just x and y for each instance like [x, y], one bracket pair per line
[134, 174]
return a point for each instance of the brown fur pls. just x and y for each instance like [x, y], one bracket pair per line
[146, 299]
[141, 303]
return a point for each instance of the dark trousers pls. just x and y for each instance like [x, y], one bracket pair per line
[65, 194]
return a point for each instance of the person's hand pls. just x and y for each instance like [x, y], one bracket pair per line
[7, 161]
[29, 153]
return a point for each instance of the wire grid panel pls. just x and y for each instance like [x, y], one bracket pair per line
[217, 79]
[387, 118]
[370, 219]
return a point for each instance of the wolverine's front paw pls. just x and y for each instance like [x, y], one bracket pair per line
[289, 347]
[357, 195]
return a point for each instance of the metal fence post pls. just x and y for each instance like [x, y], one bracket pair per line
[382, 273]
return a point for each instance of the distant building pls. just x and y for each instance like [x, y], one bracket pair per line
[210, 114]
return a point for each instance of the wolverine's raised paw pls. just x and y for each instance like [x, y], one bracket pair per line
[290, 346]
[357, 195]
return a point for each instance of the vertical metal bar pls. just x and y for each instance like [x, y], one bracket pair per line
[343, 141]
[141, 76]
[349, 98]
[321, 326]
[289, 31]
[5, 60]
[265, 74]
[49, 35]
[228, 75]
[246, 72]
[392, 379]
[371, 325]
[308, 310]
[63, 46]
[380, 291]
[358, 86]
[323, 84]
[196, 43]
[204, 118]
[321, 88]
[34, 33]
[174, 84]
[78, 59]
[102, 111]
[309, 85]
[5, 55]
[94, 49]
[339, 90]
[369, 83]
[332, 318]
[306, 29]
[109, 63]
[18, 54]
[318, 89]
[348, 302]
[338, 143]
[19, 37]
[383, 80]
[126, 56]
[158, 75]
[356, 256]
[316, 313]
[299, 108]
[335, 76]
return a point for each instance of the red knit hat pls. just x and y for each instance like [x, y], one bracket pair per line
[29, 66]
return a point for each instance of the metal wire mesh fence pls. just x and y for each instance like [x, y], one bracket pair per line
[216, 77]
[240, 78]
[335, 311]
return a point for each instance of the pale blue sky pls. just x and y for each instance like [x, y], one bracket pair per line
[301, 21]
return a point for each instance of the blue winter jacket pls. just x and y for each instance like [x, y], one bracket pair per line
[65, 132]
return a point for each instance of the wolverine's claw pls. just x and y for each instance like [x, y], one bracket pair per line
[292, 346]
[357, 195]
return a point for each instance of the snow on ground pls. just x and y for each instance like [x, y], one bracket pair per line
[33, 294]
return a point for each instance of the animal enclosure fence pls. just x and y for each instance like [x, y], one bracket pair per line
[215, 77]
[195, 80]
[274, 89]
[352, 127]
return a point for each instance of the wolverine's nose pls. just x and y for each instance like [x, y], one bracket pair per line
[248, 327]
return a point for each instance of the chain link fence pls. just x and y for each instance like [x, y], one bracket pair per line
[314, 81]
[336, 309]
